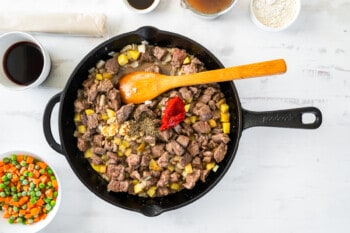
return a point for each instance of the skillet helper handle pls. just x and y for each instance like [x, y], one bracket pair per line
[47, 123]
[289, 118]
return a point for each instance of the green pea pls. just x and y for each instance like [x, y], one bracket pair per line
[6, 160]
[23, 163]
[2, 185]
[38, 193]
[25, 182]
[41, 185]
[4, 178]
[13, 157]
[2, 194]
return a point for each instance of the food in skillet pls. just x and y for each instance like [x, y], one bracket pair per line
[161, 146]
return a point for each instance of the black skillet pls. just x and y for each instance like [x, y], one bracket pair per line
[240, 118]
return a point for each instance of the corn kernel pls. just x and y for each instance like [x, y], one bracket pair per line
[95, 167]
[88, 153]
[187, 107]
[225, 117]
[212, 123]
[224, 108]
[188, 168]
[226, 127]
[187, 120]
[151, 191]
[117, 141]
[193, 119]
[138, 188]
[99, 77]
[110, 113]
[81, 129]
[171, 167]
[175, 186]
[133, 54]
[141, 147]
[128, 152]
[220, 102]
[210, 166]
[153, 165]
[122, 59]
[89, 111]
[104, 117]
[187, 61]
[107, 75]
[103, 168]
[77, 117]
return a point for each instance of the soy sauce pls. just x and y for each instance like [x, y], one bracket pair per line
[140, 4]
[210, 6]
[23, 63]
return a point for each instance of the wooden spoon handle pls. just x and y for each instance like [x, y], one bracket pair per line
[232, 73]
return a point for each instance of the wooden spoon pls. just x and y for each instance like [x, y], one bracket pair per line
[137, 87]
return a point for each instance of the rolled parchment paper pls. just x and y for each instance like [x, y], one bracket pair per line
[59, 23]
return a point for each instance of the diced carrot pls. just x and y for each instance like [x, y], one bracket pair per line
[54, 184]
[20, 158]
[30, 159]
[6, 215]
[31, 167]
[44, 178]
[40, 202]
[42, 165]
[22, 212]
[35, 211]
[36, 173]
[27, 216]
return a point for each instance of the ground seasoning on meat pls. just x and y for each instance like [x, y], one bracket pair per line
[174, 113]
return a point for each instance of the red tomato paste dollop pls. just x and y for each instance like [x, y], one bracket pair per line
[174, 113]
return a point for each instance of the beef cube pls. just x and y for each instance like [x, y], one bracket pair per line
[203, 111]
[201, 127]
[153, 69]
[99, 150]
[186, 93]
[82, 144]
[164, 179]
[133, 160]
[97, 140]
[118, 186]
[192, 178]
[105, 85]
[174, 148]
[165, 135]
[183, 140]
[96, 160]
[163, 160]
[193, 148]
[159, 52]
[178, 57]
[124, 112]
[116, 172]
[92, 121]
[158, 150]
[221, 137]
[220, 152]
[112, 65]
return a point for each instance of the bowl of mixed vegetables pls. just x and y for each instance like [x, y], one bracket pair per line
[30, 192]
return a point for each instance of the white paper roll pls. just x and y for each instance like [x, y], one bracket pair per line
[60, 23]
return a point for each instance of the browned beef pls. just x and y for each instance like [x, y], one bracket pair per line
[186, 93]
[116, 172]
[133, 160]
[163, 160]
[105, 85]
[92, 121]
[99, 150]
[201, 127]
[194, 67]
[164, 179]
[179, 56]
[112, 65]
[174, 148]
[124, 112]
[203, 111]
[221, 137]
[153, 69]
[118, 186]
[192, 178]
[185, 159]
[82, 144]
[158, 150]
[80, 105]
[220, 152]
[98, 140]
[165, 135]
[97, 160]
[145, 159]
[183, 140]
[193, 148]
[159, 52]
[146, 57]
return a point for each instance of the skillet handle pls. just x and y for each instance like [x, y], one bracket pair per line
[47, 123]
[289, 118]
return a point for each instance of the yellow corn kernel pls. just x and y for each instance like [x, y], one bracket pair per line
[120, 153]
[171, 167]
[225, 117]
[187, 61]
[141, 147]
[212, 123]
[210, 166]
[107, 75]
[125, 143]
[96, 167]
[89, 111]
[128, 152]
[175, 186]
[151, 191]
[220, 102]
[226, 127]
[81, 129]
[122, 59]
[188, 168]
[88, 153]
[110, 113]
[99, 76]
[104, 117]
[133, 54]
[187, 120]
[153, 165]
[117, 141]
[187, 107]
[138, 188]
[193, 119]
[134, 181]
[224, 108]
[77, 117]
[103, 168]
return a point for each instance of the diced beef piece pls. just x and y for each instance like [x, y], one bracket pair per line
[158, 150]
[185, 159]
[145, 159]
[203, 111]
[178, 57]
[142, 111]
[135, 175]
[112, 65]
[116, 172]
[151, 140]
[164, 179]
[97, 160]
[204, 174]
[146, 57]
[174, 148]
[175, 177]
[220, 152]
[98, 140]
[118, 186]
[163, 160]
[153, 69]
[186, 93]
[221, 137]
[159, 52]
[194, 67]
[193, 148]
[88, 82]
[165, 135]
[133, 160]
[105, 85]
[99, 150]
[82, 144]
[183, 140]
[80, 105]
[207, 95]
[163, 191]
[124, 112]
[201, 127]
[92, 121]
[192, 178]
[92, 93]
[112, 155]
[197, 163]
[114, 97]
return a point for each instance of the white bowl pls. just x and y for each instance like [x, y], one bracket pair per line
[6, 227]
[268, 16]
[142, 11]
[9, 39]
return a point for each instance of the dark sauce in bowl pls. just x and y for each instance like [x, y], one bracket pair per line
[140, 4]
[210, 6]
[23, 63]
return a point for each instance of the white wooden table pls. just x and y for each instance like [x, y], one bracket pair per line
[282, 180]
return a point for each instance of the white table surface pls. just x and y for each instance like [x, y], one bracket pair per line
[282, 180]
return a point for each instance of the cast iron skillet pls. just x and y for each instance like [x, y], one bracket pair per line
[240, 120]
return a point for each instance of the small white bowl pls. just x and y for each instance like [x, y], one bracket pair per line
[7, 40]
[6, 227]
[274, 15]
[185, 4]
[142, 11]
